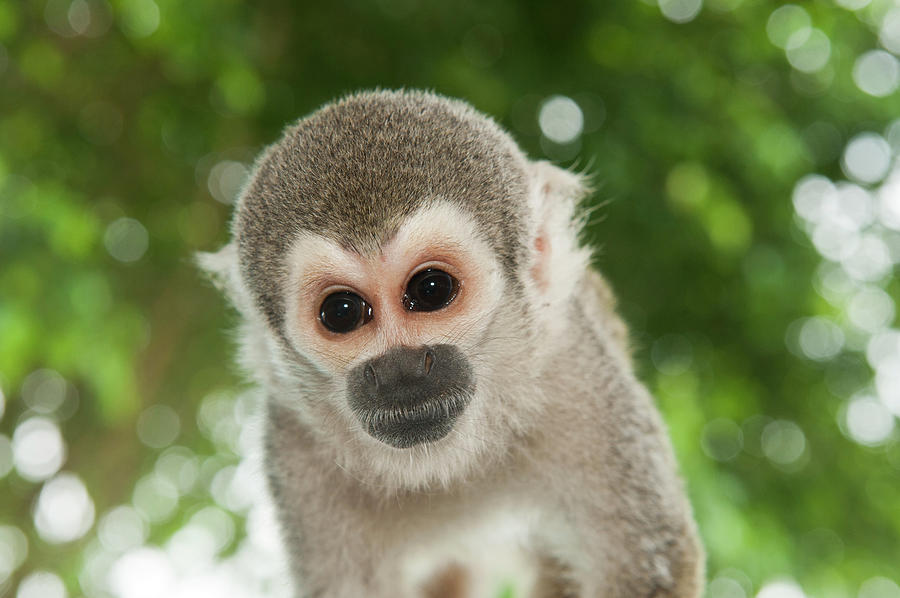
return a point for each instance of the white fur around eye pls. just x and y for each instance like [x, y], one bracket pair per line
[439, 235]
[444, 226]
[316, 266]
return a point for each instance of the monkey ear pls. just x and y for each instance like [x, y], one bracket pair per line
[557, 260]
[221, 268]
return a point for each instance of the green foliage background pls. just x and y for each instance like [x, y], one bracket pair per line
[696, 134]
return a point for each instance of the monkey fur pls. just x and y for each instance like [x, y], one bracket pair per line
[415, 453]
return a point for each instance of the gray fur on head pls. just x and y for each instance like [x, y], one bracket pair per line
[355, 168]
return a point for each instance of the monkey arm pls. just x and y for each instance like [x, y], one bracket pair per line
[634, 535]
[652, 548]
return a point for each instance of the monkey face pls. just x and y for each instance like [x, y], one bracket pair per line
[393, 327]
[404, 273]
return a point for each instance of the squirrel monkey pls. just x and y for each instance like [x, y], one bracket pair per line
[442, 366]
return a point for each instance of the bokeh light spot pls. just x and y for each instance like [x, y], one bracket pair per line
[808, 52]
[79, 16]
[126, 239]
[155, 498]
[781, 589]
[42, 584]
[56, 15]
[226, 179]
[892, 134]
[122, 528]
[38, 449]
[192, 547]
[811, 193]
[853, 4]
[889, 203]
[883, 354]
[889, 32]
[13, 550]
[672, 354]
[783, 442]
[879, 587]
[819, 338]
[722, 439]
[229, 488]
[64, 511]
[854, 206]
[868, 421]
[680, 11]
[94, 574]
[196, 545]
[139, 18]
[883, 349]
[877, 73]
[218, 523]
[833, 283]
[787, 21]
[871, 309]
[887, 384]
[158, 426]
[216, 420]
[95, 16]
[142, 573]
[834, 240]
[44, 390]
[560, 152]
[560, 119]
[725, 587]
[179, 466]
[867, 158]
[869, 259]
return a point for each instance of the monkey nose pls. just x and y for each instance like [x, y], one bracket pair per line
[399, 366]
[411, 395]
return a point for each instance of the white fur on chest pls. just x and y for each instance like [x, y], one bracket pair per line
[494, 549]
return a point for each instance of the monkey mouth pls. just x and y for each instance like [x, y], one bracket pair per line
[403, 425]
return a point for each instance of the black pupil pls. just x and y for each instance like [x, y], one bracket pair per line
[342, 312]
[429, 290]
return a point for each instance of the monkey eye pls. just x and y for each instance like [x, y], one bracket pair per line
[429, 290]
[344, 312]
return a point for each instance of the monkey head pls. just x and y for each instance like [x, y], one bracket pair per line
[400, 267]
